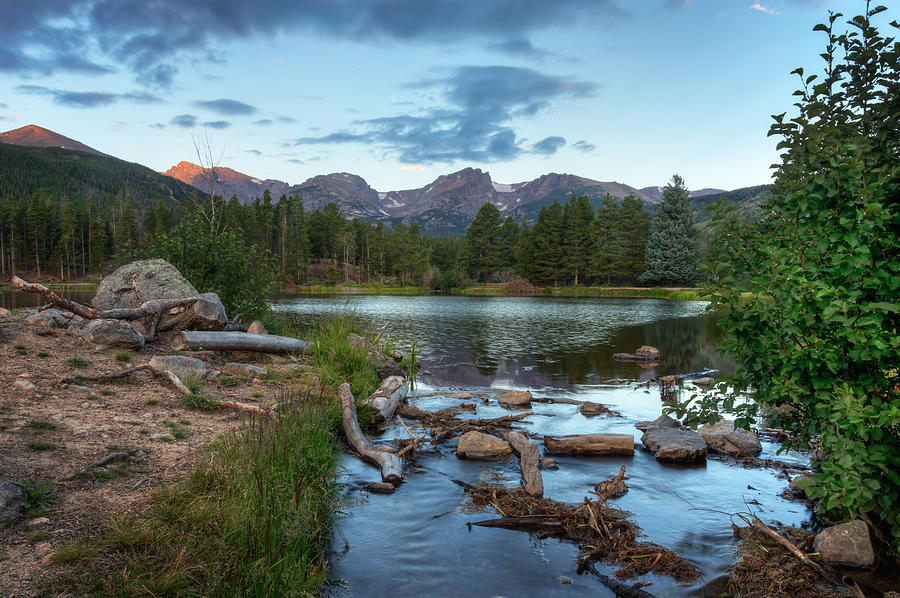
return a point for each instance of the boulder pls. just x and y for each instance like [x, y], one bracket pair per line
[647, 352]
[180, 365]
[723, 437]
[480, 446]
[12, 498]
[257, 328]
[846, 544]
[590, 409]
[674, 444]
[243, 370]
[206, 314]
[154, 279]
[516, 398]
[51, 318]
[663, 421]
[112, 333]
[383, 364]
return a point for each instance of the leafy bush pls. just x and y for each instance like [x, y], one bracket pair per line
[810, 295]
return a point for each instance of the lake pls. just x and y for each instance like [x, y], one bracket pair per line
[416, 541]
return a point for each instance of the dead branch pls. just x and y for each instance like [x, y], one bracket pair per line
[758, 524]
[103, 377]
[529, 461]
[590, 444]
[520, 523]
[618, 587]
[380, 332]
[115, 456]
[389, 463]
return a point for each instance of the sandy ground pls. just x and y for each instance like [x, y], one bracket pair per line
[52, 431]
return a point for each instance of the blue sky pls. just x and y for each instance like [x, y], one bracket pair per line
[401, 91]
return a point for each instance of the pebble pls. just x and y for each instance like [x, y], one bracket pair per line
[80, 387]
[82, 432]
[565, 580]
[38, 521]
[379, 487]
[42, 549]
[58, 416]
[24, 385]
[147, 415]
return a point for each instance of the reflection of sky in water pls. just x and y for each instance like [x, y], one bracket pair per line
[415, 541]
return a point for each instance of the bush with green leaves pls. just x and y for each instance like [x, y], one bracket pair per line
[219, 261]
[809, 295]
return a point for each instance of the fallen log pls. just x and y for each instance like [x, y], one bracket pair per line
[590, 444]
[553, 400]
[194, 340]
[388, 397]
[391, 467]
[520, 523]
[529, 460]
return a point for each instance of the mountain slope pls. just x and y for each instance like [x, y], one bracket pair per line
[35, 136]
[229, 182]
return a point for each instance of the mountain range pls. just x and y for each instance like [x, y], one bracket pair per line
[446, 206]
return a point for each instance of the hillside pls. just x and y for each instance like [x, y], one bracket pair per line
[35, 136]
[746, 202]
[229, 182]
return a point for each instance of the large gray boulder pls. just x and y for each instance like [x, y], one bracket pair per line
[674, 444]
[51, 318]
[154, 278]
[12, 498]
[723, 437]
[112, 333]
[180, 365]
[479, 446]
[846, 544]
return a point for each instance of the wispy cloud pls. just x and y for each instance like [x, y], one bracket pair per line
[763, 9]
[414, 167]
[584, 146]
[217, 124]
[90, 99]
[184, 120]
[227, 107]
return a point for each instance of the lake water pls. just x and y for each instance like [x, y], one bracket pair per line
[416, 542]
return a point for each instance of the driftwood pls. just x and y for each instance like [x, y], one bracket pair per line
[529, 460]
[521, 523]
[556, 400]
[391, 467]
[590, 444]
[618, 587]
[194, 340]
[388, 397]
[758, 524]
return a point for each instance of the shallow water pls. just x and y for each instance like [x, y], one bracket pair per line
[416, 541]
[16, 299]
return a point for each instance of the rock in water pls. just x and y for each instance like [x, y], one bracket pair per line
[12, 497]
[647, 352]
[663, 421]
[590, 409]
[517, 398]
[723, 437]
[479, 446]
[674, 444]
[180, 365]
[846, 544]
[154, 279]
[112, 333]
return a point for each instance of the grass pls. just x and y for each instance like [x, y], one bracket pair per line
[38, 499]
[107, 392]
[43, 354]
[41, 425]
[177, 431]
[151, 402]
[199, 402]
[123, 356]
[253, 519]
[359, 289]
[593, 291]
[78, 362]
[40, 445]
[37, 536]
[21, 349]
[257, 394]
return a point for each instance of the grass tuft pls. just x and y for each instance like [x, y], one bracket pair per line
[199, 402]
[124, 356]
[41, 424]
[39, 445]
[78, 362]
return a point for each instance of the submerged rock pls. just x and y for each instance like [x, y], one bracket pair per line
[380, 487]
[642, 353]
[674, 444]
[723, 437]
[517, 398]
[846, 544]
[479, 446]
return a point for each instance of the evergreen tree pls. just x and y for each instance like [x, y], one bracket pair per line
[578, 217]
[672, 253]
[634, 223]
[482, 255]
[607, 241]
[549, 252]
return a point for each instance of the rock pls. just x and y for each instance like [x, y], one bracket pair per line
[479, 446]
[704, 382]
[565, 580]
[379, 487]
[518, 398]
[37, 522]
[257, 328]
[50, 318]
[674, 444]
[549, 463]
[24, 385]
[612, 487]
[180, 365]
[206, 314]
[846, 544]
[383, 364]
[243, 370]
[647, 352]
[5, 313]
[663, 421]
[163, 436]
[113, 333]
[154, 279]
[723, 437]
[590, 409]
[77, 323]
[458, 395]
[12, 497]
[42, 549]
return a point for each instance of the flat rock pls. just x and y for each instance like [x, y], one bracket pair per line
[549, 463]
[722, 437]
[518, 398]
[663, 421]
[164, 437]
[112, 333]
[12, 498]
[380, 487]
[846, 544]
[180, 365]
[24, 385]
[674, 444]
[479, 446]
[458, 395]
[256, 328]
[647, 352]
[37, 522]
[590, 409]
[154, 278]
[243, 370]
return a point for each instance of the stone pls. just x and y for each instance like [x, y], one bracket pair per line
[5, 313]
[206, 314]
[590, 409]
[612, 489]
[722, 437]
[24, 385]
[112, 333]
[384, 365]
[12, 498]
[647, 352]
[517, 398]
[243, 370]
[663, 421]
[674, 444]
[846, 544]
[154, 278]
[164, 437]
[37, 522]
[458, 395]
[42, 549]
[50, 318]
[481, 447]
[379, 487]
[704, 382]
[180, 365]
[256, 328]
[549, 463]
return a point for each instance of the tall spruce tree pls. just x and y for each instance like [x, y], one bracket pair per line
[481, 253]
[549, 252]
[673, 251]
[577, 217]
[635, 228]
[607, 240]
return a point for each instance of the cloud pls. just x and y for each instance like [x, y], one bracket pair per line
[473, 123]
[264, 122]
[227, 107]
[4, 106]
[217, 124]
[413, 167]
[184, 120]
[520, 47]
[151, 39]
[549, 145]
[584, 146]
[14, 116]
[255, 152]
[90, 99]
[296, 161]
[286, 119]
[761, 8]
[157, 126]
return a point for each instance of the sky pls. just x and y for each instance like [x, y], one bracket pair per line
[402, 91]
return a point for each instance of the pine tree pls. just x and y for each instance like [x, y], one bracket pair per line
[481, 239]
[672, 252]
[635, 226]
[577, 217]
[607, 241]
[549, 253]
